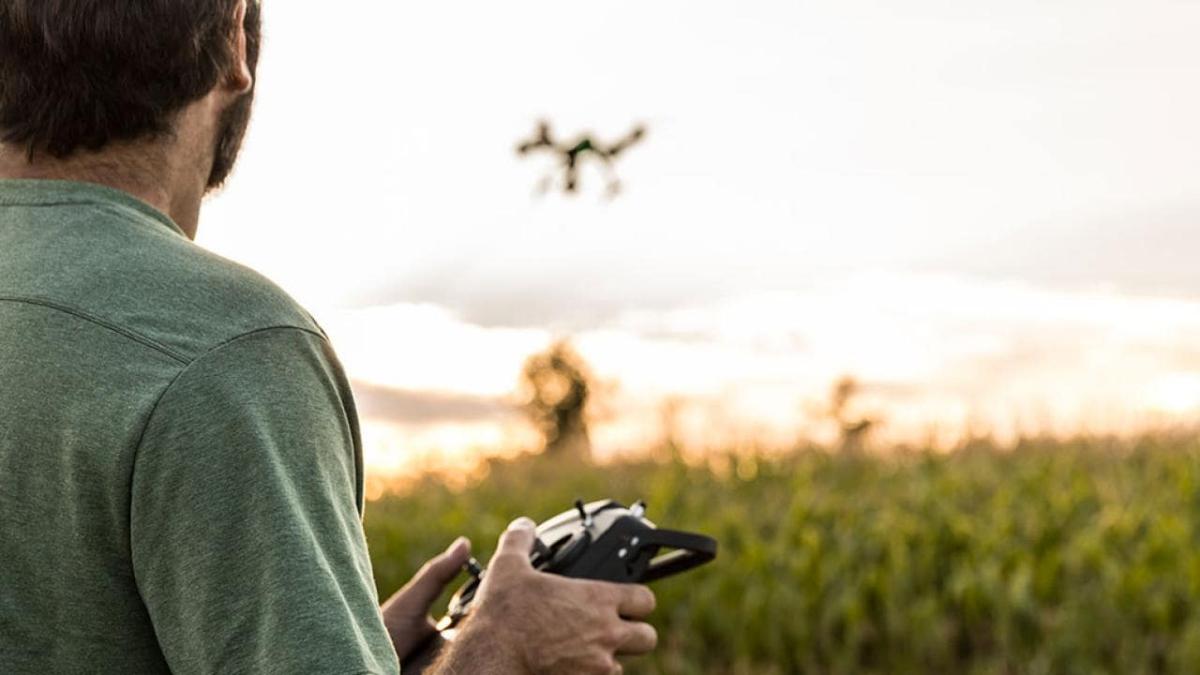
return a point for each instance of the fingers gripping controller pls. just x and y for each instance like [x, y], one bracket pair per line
[602, 541]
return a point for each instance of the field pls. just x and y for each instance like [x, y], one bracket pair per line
[1053, 557]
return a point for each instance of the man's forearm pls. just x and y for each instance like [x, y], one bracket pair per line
[477, 650]
[420, 662]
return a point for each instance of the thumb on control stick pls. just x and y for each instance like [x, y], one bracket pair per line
[516, 543]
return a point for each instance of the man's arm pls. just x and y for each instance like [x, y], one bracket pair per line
[245, 534]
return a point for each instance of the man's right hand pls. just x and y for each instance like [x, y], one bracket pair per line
[530, 622]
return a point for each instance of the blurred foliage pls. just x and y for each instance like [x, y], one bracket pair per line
[556, 384]
[853, 430]
[1054, 557]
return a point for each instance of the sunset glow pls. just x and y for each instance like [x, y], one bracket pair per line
[985, 218]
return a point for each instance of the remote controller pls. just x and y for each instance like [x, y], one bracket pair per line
[603, 541]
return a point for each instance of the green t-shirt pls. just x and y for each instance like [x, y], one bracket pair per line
[180, 465]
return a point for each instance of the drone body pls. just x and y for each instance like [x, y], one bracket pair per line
[572, 155]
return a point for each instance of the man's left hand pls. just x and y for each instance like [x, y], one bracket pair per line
[406, 614]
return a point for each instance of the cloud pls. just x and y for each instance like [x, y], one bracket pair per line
[1146, 252]
[426, 407]
[566, 296]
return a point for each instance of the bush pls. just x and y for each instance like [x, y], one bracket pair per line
[1080, 557]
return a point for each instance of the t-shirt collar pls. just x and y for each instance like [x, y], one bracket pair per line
[38, 192]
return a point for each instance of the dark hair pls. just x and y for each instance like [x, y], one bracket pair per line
[80, 74]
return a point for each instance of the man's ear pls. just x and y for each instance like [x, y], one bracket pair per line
[239, 79]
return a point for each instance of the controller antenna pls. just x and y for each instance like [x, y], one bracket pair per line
[474, 568]
[583, 514]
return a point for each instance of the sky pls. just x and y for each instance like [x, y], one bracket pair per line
[986, 212]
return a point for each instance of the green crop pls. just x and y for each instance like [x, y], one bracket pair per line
[1056, 557]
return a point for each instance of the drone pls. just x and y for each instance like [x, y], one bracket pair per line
[572, 155]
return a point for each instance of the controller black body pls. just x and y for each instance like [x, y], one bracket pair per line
[602, 541]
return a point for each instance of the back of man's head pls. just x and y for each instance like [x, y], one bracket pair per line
[77, 75]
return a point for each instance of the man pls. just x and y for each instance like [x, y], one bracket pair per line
[180, 465]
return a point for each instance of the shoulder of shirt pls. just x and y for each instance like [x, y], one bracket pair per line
[134, 272]
[186, 299]
[214, 300]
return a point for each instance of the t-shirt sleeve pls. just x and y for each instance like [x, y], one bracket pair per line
[246, 532]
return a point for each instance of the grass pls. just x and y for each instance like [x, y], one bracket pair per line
[1054, 557]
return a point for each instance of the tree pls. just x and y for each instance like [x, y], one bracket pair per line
[557, 386]
[853, 430]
